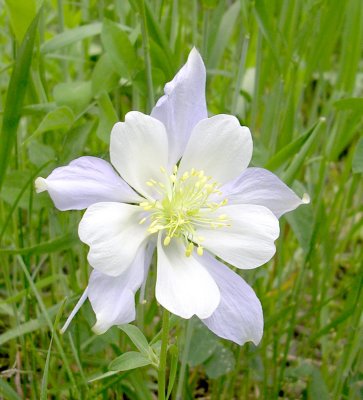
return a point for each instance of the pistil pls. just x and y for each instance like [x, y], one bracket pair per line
[184, 206]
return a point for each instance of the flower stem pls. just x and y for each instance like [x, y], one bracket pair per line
[163, 354]
[188, 336]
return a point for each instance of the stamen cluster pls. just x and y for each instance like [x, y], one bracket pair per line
[184, 205]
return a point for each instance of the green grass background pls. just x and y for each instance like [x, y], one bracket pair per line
[290, 70]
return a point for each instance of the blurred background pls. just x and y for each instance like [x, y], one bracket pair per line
[290, 70]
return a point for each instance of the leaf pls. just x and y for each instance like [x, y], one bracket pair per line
[8, 391]
[317, 389]
[137, 337]
[223, 35]
[173, 352]
[357, 164]
[104, 78]
[286, 153]
[17, 190]
[43, 392]
[157, 33]
[40, 153]
[15, 200]
[21, 15]
[71, 36]
[298, 161]
[60, 118]
[221, 362]
[75, 141]
[75, 95]
[119, 49]
[129, 360]
[15, 97]
[202, 344]
[302, 222]
[108, 117]
[29, 326]
[57, 244]
[268, 28]
[102, 376]
[353, 104]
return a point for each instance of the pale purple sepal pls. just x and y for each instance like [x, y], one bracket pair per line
[261, 187]
[183, 104]
[85, 181]
[239, 315]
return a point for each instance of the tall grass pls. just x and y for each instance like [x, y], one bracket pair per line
[292, 72]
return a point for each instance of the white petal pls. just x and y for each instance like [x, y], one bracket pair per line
[113, 232]
[113, 298]
[249, 241]
[183, 285]
[183, 104]
[139, 147]
[220, 147]
[262, 187]
[85, 181]
[239, 315]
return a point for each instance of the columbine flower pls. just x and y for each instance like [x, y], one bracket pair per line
[186, 189]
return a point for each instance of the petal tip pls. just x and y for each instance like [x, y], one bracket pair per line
[98, 329]
[305, 199]
[40, 185]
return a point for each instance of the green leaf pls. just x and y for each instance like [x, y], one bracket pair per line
[61, 118]
[353, 104]
[137, 337]
[129, 360]
[298, 161]
[223, 35]
[40, 153]
[21, 15]
[8, 391]
[108, 117]
[202, 344]
[102, 376]
[15, 97]
[287, 152]
[268, 28]
[119, 49]
[29, 326]
[75, 141]
[57, 244]
[75, 95]
[43, 391]
[18, 187]
[317, 389]
[357, 164]
[157, 33]
[222, 362]
[301, 222]
[104, 78]
[173, 352]
[71, 36]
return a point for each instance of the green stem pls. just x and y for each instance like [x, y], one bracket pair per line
[146, 49]
[163, 354]
[188, 337]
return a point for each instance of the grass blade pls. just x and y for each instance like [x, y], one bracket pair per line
[15, 96]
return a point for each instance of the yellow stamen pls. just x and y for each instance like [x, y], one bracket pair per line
[184, 207]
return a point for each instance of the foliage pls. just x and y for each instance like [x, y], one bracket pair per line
[290, 70]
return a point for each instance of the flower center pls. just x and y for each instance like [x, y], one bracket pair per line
[185, 205]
